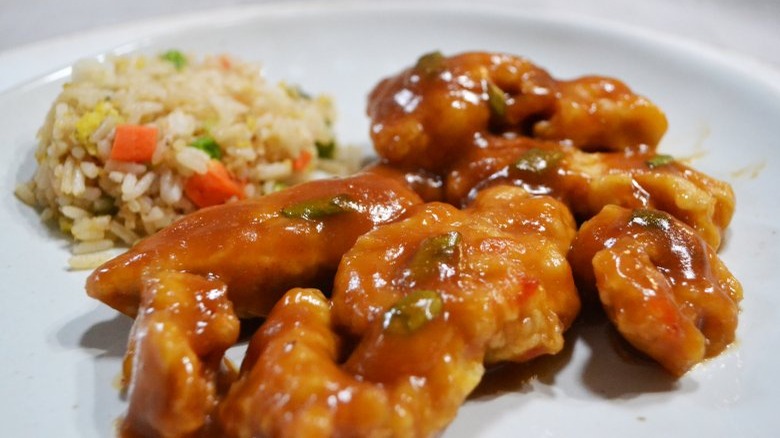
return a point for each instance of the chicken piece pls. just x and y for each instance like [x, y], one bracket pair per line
[428, 185]
[539, 167]
[702, 202]
[515, 210]
[295, 387]
[425, 115]
[528, 217]
[260, 248]
[478, 119]
[594, 113]
[426, 301]
[663, 287]
[586, 182]
[365, 284]
[172, 368]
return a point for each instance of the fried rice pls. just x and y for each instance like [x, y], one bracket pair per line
[134, 142]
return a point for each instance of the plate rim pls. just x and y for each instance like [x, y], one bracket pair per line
[130, 36]
[719, 57]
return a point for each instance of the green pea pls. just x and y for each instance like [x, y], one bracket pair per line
[176, 58]
[207, 145]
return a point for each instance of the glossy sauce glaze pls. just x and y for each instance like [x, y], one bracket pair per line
[481, 119]
[257, 248]
[422, 117]
[588, 181]
[173, 369]
[413, 296]
[454, 251]
[426, 115]
[660, 283]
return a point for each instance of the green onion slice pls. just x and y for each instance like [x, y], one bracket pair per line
[326, 150]
[412, 312]
[539, 160]
[320, 208]
[496, 100]
[434, 253]
[659, 160]
[649, 218]
[430, 64]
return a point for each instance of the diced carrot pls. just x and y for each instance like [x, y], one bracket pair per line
[303, 160]
[134, 143]
[214, 187]
[225, 62]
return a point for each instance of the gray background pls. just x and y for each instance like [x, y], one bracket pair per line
[749, 26]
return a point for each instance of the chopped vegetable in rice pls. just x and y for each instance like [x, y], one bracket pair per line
[135, 142]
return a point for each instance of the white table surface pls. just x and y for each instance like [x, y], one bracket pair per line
[39, 36]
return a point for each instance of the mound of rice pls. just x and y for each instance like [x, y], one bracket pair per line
[201, 111]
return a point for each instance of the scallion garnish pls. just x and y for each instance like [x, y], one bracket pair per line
[412, 312]
[539, 160]
[320, 208]
[659, 160]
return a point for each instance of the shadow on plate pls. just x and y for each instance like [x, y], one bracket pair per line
[102, 334]
[614, 369]
[610, 370]
[102, 330]
[517, 377]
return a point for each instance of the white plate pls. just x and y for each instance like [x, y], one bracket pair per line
[62, 351]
